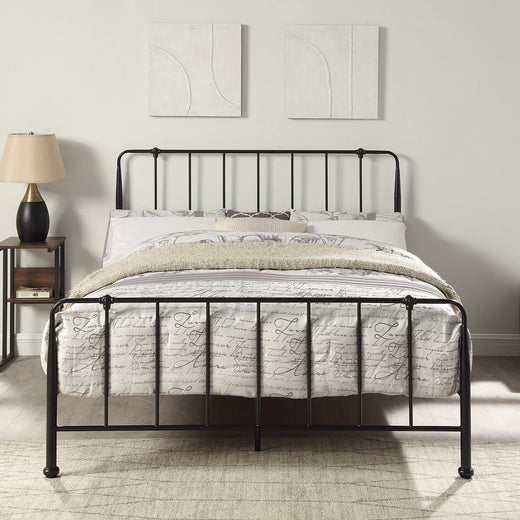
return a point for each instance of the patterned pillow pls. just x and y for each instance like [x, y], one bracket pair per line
[280, 215]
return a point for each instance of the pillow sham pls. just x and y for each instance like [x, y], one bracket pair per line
[390, 233]
[313, 216]
[281, 215]
[124, 213]
[271, 225]
[128, 228]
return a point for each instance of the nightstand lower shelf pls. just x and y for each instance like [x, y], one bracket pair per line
[31, 300]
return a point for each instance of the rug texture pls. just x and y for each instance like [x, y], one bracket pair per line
[291, 478]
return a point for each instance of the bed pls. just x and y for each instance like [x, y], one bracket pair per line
[291, 303]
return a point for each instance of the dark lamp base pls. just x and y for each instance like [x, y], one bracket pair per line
[32, 221]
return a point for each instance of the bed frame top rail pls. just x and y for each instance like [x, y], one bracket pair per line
[360, 152]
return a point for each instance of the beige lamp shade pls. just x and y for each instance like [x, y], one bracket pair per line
[32, 158]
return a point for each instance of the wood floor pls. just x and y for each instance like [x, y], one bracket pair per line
[495, 406]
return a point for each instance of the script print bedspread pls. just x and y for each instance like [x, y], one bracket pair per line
[436, 329]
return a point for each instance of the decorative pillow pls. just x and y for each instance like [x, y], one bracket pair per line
[271, 225]
[313, 216]
[128, 228]
[281, 215]
[391, 233]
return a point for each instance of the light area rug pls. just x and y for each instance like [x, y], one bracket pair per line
[291, 478]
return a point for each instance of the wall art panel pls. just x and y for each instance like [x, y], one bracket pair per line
[331, 71]
[195, 70]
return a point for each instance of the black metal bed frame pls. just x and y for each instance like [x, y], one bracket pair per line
[465, 470]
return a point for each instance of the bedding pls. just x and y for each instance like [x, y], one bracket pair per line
[257, 264]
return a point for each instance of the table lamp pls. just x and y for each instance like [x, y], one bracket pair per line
[32, 158]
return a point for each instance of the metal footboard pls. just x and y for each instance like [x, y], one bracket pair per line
[465, 470]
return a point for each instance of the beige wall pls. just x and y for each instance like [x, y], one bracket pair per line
[450, 85]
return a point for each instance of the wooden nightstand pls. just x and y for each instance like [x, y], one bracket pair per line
[14, 277]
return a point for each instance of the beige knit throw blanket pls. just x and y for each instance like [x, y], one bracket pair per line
[259, 255]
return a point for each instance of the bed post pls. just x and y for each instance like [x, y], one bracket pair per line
[465, 470]
[51, 469]
[397, 187]
[119, 182]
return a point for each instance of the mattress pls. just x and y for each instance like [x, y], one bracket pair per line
[334, 368]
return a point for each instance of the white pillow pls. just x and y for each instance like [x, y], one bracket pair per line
[270, 225]
[125, 232]
[391, 233]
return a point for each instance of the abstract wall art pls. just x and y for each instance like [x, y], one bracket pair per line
[195, 70]
[331, 71]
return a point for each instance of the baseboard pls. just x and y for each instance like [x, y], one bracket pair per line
[483, 344]
[27, 344]
[496, 344]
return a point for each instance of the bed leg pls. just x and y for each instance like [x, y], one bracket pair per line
[257, 440]
[51, 470]
[465, 470]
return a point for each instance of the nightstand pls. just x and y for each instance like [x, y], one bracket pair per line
[14, 277]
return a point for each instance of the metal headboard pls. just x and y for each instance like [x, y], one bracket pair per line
[360, 152]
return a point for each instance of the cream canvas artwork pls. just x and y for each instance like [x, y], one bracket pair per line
[195, 70]
[331, 71]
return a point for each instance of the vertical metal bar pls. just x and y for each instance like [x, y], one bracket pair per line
[292, 180]
[465, 470]
[360, 155]
[11, 305]
[62, 270]
[258, 378]
[155, 155]
[51, 469]
[208, 374]
[157, 362]
[359, 368]
[189, 182]
[4, 306]
[106, 304]
[56, 274]
[309, 364]
[257, 182]
[223, 180]
[409, 306]
[326, 181]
